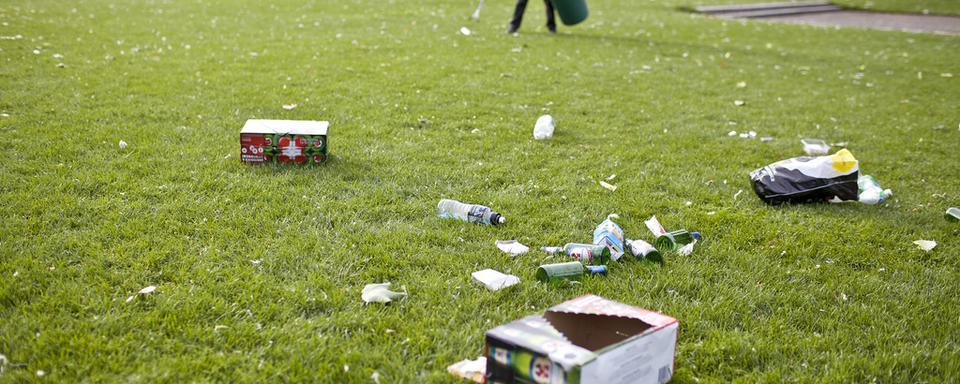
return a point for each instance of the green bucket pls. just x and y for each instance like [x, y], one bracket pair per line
[571, 11]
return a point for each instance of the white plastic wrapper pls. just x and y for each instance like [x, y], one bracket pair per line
[512, 247]
[544, 128]
[379, 293]
[495, 280]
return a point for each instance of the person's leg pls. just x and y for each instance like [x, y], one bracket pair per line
[551, 23]
[517, 16]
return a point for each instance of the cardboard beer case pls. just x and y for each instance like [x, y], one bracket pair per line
[587, 340]
[283, 141]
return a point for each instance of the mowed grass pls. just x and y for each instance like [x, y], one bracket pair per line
[259, 268]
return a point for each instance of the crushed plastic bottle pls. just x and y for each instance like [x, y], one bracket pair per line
[544, 128]
[952, 214]
[871, 193]
[472, 213]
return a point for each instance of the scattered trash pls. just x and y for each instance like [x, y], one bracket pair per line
[40, 373]
[815, 147]
[742, 84]
[607, 185]
[4, 115]
[289, 107]
[926, 245]
[686, 250]
[256, 262]
[611, 177]
[732, 133]
[145, 291]
[544, 127]
[3, 363]
[736, 195]
[379, 293]
[654, 226]
[376, 377]
[870, 191]
[952, 214]
[469, 369]
[644, 251]
[585, 253]
[283, 141]
[465, 31]
[59, 65]
[808, 179]
[495, 280]
[472, 213]
[584, 340]
[424, 122]
[123, 144]
[476, 13]
[512, 247]
[609, 235]
[739, 103]
[674, 240]
[573, 270]
[766, 139]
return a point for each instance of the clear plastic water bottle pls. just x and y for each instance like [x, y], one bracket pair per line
[871, 193]
[472, 213]
[544, 128]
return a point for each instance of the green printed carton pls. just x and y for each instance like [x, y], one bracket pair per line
[587, 340]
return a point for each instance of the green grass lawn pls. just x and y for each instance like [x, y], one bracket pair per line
[803, 293]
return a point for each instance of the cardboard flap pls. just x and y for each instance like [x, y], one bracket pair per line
[594, 332]
[596, 305]
[295, 127]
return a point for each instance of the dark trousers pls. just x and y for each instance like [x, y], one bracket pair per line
[522, 6]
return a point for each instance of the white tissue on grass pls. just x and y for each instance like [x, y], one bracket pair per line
[145, 291]
[465, 31]
[289, 107]
[543, 128]
[376, 377]
[123, 144]
[607, 185]
[686, 250]
[469, 369]
[926, 245]
[495, 280]
[379, 293]
[512, 247]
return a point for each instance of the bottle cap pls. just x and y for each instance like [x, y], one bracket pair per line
[597, 269]
[695, 234]
[496, 219]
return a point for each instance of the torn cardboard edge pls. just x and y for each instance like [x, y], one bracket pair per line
[585, 340]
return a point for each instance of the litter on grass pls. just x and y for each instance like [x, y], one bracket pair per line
[145, 291]
[607, 185]
[952, 214]
[376, 377]
[686, 250]
[512, 247]
[465, 31]
[495, 280]
[815, 147]
[472, 370]
[289, 107]
[379, 293]
[544, 127]
[926, 245]
[610, 235]
[808, 179]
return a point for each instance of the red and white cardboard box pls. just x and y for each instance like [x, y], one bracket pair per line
[284, 141]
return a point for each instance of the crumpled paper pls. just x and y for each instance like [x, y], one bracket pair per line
[379, 293]
[926, 245]
[469, 369]
[495, 280]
